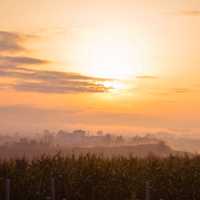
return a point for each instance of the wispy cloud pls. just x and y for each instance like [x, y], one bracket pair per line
[75, 86]
[42, 81]
[14, 61]
[170, 91]
[52, 81]
[181, 90]
[192, 13]
[12, 42]
[147, 77]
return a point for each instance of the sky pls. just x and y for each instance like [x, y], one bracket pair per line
[121, 66]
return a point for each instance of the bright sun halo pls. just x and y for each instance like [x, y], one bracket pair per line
[108, 56]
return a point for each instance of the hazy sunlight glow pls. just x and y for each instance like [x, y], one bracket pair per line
[108, 55]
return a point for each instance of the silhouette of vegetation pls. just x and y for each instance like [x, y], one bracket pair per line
[92, 177]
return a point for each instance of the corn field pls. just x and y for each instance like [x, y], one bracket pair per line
[91, 177]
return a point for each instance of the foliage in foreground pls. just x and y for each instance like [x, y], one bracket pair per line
[92, 177]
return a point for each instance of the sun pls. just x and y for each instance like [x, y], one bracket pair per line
[108, 54]
[111, 59]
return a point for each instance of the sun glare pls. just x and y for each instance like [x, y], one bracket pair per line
[111, 59]
[114, 85]
[108, 55]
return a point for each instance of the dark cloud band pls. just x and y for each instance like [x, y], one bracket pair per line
[52, 81]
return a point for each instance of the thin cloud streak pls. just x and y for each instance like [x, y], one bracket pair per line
[192, 13]
[60, 88]
[14, 61]
[53, 82]
[181, 90]
[146, 77]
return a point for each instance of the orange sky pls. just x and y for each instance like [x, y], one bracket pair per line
[100, 64]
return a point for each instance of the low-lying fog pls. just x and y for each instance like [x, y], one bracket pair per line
[107, 144]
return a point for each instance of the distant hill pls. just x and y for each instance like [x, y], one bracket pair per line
[32, 149]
